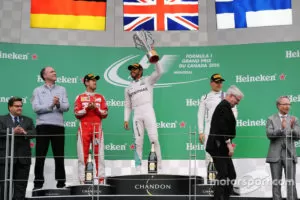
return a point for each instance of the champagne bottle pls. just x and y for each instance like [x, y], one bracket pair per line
[152, 161]
[89, 169]
[211, 172]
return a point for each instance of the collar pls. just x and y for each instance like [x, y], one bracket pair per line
[281, 115]
[49, 87]
[13, 117]
[214, 92]
[89, 93]
[135, 81]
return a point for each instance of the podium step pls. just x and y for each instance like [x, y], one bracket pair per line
[208, 189]
[89, 189]
[51, 192]
[156, 184]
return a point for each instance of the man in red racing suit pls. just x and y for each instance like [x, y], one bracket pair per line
[90, 108]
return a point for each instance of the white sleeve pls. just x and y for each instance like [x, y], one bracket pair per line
[201, 113]
[235, 112]
[155, 76]
[127, 106]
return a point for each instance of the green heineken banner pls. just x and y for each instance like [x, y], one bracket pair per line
[262, 71]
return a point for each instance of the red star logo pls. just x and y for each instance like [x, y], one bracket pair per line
[34, 57]
[182, 124]
[132, 147]
[32, 144]
[282, 76]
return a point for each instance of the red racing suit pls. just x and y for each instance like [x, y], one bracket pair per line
[90, 127]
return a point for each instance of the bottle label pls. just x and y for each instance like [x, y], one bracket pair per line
[152, 166]
[89, 176]
[211, 176]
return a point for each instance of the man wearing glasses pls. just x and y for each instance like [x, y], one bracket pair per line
[23, 129]
[207, 106]
[283, 130]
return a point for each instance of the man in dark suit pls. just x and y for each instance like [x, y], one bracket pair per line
[23, 129]
[219, 145]
[283, 130]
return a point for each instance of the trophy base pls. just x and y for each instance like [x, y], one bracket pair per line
[152, 56]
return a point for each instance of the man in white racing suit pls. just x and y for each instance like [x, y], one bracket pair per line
[139, 97]
[207, 106]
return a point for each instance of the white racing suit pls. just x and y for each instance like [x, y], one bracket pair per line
[139, 97]
[207, 106]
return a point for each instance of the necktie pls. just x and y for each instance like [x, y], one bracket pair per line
[16, 119]
[283, 122]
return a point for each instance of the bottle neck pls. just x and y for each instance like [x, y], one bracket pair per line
[152, 148]
[90, 157]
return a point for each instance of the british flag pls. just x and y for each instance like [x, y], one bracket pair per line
[160, 15]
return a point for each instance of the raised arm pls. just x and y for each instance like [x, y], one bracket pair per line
[155, 76]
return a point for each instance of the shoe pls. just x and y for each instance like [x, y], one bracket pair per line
[37, 187]
[235, 191]
[101, 181]
[60, 185]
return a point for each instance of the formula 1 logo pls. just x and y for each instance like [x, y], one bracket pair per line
[112, 75]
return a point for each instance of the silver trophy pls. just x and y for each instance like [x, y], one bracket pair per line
[143, 40]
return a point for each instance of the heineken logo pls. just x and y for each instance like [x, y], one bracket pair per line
[294, 98]
[114, 103]
[62, 79]
[257, 78]
[192, 102]
[14, 55]
[115, 147]
[249, 122]
[70, 124]
[167, 125]
[5, 99]
[292, 54]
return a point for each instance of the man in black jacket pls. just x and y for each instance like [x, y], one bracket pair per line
[219, 145]
[23, 129]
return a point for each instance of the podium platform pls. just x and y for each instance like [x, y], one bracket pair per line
[130, 185]
[139, 187]
[156, 184]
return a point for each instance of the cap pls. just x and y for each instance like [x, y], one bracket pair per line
[91, 77]
[216, 77]
[135, 66]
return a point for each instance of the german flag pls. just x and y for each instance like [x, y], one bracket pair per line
[68, 14]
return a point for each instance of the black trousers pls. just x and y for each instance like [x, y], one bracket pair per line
[225, 177]
[45, 134]
[20, 180]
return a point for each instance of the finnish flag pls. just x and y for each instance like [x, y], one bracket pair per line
[253, 13]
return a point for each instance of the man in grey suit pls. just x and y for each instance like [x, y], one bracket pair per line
[283, 130]
[23, 129]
